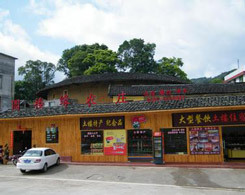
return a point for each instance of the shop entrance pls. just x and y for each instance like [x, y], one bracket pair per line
[22, 140]
[234, 143]
[140, 145]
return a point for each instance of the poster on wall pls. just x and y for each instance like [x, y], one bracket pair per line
[115, 142]
[52, 134]
[204, 140]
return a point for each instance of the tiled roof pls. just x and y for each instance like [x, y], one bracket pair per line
[191, 89]
[111, 77]
[190, 102]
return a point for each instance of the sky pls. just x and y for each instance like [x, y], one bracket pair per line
[208, 35]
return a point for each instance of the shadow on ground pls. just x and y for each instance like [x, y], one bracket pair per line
[51, 170]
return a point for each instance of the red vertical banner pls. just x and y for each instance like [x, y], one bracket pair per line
[11, 139]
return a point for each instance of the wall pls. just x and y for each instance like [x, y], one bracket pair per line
[82, 91]
[7, 68]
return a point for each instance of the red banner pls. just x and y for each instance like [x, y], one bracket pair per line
[139, 119]
[11, 139]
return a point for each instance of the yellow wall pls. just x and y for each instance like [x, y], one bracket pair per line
[129, 98]
[82, 91]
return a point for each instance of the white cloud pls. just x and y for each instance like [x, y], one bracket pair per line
[208, 34]
[16, 42]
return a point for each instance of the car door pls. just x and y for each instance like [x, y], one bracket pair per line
[47, 157]
[53, 157]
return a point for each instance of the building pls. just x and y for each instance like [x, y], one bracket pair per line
[7, 70]
[236, 76]
[194, 122]
[79, 88]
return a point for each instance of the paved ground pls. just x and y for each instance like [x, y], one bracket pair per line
[116, 180]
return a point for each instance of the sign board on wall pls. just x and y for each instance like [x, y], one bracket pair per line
[52, 134]
[208, 118]
[204, 140]
[115, 142]
[115, 122]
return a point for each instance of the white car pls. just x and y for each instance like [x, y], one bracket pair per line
[38, 159]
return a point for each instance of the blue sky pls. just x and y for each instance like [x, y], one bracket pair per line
[208, 35]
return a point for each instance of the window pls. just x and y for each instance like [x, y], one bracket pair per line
[175, 141]
[241, 79]
[92, 143]
[33, 153]
[46, 152]
[51, 152]
[53, 96]
[1, 81]
[140, 142]
[0, 103]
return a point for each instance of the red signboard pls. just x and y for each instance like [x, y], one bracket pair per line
[140, 119]
[11, 140]
[157, 134]
[115, 142]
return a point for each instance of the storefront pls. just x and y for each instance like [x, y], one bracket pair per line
[233, 142]
[208, 135]
[219, 133]
[103, 136]
[140, 145]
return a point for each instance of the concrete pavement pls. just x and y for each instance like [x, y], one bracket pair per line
[80, 179]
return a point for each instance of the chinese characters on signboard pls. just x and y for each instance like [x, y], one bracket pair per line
[116, 122]
[209, 118]
[52, 134]
[15, 105]
[64, 100]
[115, 142]
[38, 104]
[204, 140]
[165, 95]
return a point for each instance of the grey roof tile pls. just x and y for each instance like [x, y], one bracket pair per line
[189, 102]
[192, 89]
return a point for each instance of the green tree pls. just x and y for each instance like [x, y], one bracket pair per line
[22, 90]
[103, 61]
[136, 56]
[37, 75]
[72, 61]
[172, 67]
[217, 80]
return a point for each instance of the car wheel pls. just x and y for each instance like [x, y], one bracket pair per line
[22, 171]
[45, 167]
[58, 162]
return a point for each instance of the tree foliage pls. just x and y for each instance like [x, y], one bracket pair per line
[103, 61]
[172, 67]
[37, 75]
[76, 60]
[136, 56]
[23, 90]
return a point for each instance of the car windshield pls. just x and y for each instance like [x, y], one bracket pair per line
[33, 153]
